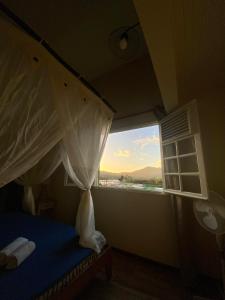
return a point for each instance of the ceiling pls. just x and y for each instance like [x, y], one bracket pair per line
[132, 88]
[79, 30]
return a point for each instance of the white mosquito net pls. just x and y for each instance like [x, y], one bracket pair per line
[47, 116]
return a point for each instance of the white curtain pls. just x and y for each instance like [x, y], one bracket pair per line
[84, 144]
[37, 175]
[41, 105]
[29, 125]
[33, 87]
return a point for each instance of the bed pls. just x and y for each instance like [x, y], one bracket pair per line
[57, 269]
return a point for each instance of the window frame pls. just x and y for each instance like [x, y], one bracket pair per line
[193, 133]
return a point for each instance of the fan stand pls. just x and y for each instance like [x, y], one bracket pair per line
[221, 247]
[188, 272]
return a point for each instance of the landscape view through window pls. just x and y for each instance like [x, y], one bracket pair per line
[132, 159]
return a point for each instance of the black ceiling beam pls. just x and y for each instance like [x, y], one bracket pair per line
[39, 39]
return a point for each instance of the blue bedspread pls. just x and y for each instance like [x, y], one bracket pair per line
[56, 254]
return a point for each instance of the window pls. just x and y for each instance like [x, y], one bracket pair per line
[132, 160]
[182, 155]
[166, 157]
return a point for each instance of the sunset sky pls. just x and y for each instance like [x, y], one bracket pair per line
[132, 150]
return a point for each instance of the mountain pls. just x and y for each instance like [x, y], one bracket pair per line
[143, 174]
[109, 175]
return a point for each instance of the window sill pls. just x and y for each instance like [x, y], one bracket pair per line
[128, 190]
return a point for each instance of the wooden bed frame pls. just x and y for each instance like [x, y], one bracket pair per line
[103, 261]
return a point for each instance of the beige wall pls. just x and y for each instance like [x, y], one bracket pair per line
[212, 122]
[157, 26]
[138, 222]
[186, 44]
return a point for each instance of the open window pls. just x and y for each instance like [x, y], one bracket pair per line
[182, 156]
[132, 160]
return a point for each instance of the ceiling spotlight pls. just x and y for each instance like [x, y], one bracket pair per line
[123, 43]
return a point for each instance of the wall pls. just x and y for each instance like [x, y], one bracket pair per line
[157, 25]
[186, 42]
[212, 122]
[211, 107]
[138, 222]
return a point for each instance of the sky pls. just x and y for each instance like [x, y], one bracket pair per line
[132, 150]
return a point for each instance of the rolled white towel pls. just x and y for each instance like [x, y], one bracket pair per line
[20, 254]
[5, 252]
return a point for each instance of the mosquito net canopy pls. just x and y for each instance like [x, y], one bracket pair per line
[47, 116]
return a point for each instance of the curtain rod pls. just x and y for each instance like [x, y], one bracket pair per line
[36, 37]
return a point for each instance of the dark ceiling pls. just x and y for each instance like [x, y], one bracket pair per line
[79, 32]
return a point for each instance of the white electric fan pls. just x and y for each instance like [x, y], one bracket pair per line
[210, 214]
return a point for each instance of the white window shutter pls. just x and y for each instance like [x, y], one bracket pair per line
[182, 156]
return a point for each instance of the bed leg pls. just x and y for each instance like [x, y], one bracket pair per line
[108, 267]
